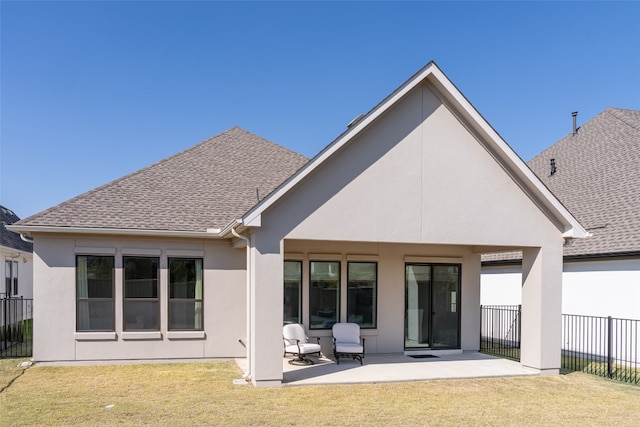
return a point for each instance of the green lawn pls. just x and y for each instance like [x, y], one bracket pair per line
[203, 394]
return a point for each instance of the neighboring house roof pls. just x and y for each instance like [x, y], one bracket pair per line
[597, 177]
[9, 239]
[205, 186]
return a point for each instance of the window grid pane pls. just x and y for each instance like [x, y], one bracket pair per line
[362, 293]
[324, 294]
[94, 293]
[141, 302]
[7, 278]
[292, 292]
[14, 273]
[185, 294]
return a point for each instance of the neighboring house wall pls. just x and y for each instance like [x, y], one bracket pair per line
[501, 285]
[224, 296]
[590, 288]
[24, 263]
[16, 259]
[602, 288]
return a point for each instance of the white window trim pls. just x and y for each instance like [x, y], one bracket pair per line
[150, 335]
[432, 260]
[141, 252]
[91, 250]
[184, 253]
[95, 336]
[186, 335]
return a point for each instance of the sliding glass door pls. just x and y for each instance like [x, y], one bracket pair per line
[432, 306]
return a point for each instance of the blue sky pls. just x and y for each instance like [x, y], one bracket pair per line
[91, 91]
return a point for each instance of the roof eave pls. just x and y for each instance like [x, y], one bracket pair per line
[29, 230]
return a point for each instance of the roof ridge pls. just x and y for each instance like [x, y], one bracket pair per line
[611, 109]
[608, 111]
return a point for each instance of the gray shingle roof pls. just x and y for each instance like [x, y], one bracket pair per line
[9, 239]
[598, 179]
[205, 186]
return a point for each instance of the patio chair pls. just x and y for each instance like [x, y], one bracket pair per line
[347, 341]
[297, 343]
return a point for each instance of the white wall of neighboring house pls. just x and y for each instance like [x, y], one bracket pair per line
[501, 285]
[602, 288]
[25, 271]
[590, 288]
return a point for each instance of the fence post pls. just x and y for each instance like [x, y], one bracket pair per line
[3, 327]
[519, 317]
[609, 347]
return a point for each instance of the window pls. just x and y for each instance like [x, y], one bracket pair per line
[292, 291]
[141, 302]
[14, 272]
[11, 277]
[185, 294]
[361, 293]
[7, 278]
[94, 293]
[324, 294]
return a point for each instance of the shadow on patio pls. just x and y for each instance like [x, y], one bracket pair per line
[378, 368]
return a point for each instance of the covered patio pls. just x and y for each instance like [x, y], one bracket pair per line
[382, 229]
[397, 367]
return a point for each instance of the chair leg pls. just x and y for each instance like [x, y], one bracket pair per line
[301, 359]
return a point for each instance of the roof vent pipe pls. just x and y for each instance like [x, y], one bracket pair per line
[575, 128]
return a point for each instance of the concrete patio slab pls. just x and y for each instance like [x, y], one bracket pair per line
[380, 368]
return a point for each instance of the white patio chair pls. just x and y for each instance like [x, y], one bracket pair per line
[297, 343]
[347, 341]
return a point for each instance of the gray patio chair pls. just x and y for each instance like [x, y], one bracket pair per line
[297, 343]
[347, 341]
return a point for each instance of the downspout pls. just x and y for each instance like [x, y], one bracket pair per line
[25, 238]
[247, 374]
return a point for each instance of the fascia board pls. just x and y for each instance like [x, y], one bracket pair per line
[30, 229]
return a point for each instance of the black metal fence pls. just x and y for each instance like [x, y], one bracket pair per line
[16, 327]
[500, 330]
[603, 346]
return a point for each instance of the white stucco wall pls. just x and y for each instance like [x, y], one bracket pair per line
[55, 338]
[415, 176]
[591, 288]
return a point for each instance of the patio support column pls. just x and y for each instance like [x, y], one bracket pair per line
[266, 299]
[542, 308]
